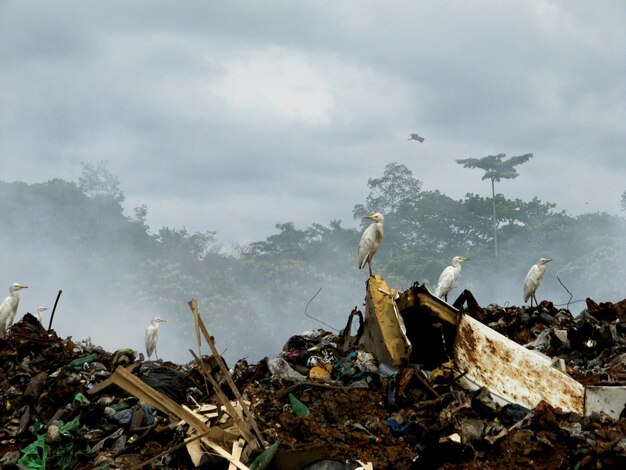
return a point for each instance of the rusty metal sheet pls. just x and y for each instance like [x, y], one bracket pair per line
[419, 296]
[512, 372]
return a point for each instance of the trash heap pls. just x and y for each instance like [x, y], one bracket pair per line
[390, 395]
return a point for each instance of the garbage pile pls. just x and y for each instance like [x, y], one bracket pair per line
[326, 401]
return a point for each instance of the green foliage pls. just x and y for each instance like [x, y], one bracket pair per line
[388, 192]
[495, 166]
[261, 290]
[98, 180]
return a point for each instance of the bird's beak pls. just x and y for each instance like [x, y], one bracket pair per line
[464, 258]
[548, 260]
[371, 217]
[161, 320]
[20, 286]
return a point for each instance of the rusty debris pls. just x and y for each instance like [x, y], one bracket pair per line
[421, 384]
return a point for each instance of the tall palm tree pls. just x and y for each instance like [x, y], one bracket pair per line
[496, 168]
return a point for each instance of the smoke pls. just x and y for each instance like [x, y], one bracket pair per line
[252, 307]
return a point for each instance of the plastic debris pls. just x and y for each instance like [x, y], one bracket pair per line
[297, 407]
[70, 404]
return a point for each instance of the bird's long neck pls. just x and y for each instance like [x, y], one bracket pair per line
[379, 227]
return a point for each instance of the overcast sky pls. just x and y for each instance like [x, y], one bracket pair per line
[235, 116]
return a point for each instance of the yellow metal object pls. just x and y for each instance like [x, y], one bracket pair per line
[384, 334]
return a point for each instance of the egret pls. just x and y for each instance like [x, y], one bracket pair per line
[417, 137]
[152, 335]
[448, 277]
[8, 309]
[370, 240]
[533, 279]
[39, 313]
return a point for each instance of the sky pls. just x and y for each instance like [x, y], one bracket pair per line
[236, 116]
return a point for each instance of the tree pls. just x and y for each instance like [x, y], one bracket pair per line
[387, 193]
[496, 168]
[98, 180]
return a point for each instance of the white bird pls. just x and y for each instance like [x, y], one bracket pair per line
[152, 335]
[448, 277]
[370, 240]
[8, 309]
[533, 279]
[39, 314]
[417, 137]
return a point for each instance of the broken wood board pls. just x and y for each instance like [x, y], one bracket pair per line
[133, 385]
[239, 422]
[248, 419]
[510, 371]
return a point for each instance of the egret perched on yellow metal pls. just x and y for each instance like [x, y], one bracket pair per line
[533, 279]
[370, 240]
[448, 277]
[39, 313]
[152, 335]
[8, 309]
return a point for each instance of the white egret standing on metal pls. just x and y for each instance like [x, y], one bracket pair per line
[448, 277]
[152, 335]
[533, 279]
[39, 313]
[8, 309]
[370, 240]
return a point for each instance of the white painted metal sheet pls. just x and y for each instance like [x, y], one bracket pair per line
[511, 371]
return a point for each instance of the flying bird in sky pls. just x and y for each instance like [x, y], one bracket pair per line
[416, 137]
[448, 277]
[8, 309]
[533, 279]
[370, 240]
[39, 313]
[152, 335]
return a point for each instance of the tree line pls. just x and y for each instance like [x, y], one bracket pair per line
[260, 288]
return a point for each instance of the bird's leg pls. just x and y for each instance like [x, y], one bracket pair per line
[369, 265]
[445, 297]
[156, 354]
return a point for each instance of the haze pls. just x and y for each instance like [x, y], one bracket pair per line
[236, 117]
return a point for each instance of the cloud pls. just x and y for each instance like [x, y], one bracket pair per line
[235, 117]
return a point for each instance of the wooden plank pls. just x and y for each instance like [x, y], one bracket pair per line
[236, 452]
[109, 380]
[133, 385]
[193, 305]
[240, 423]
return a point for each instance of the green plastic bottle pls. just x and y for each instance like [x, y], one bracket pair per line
[297, 407]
